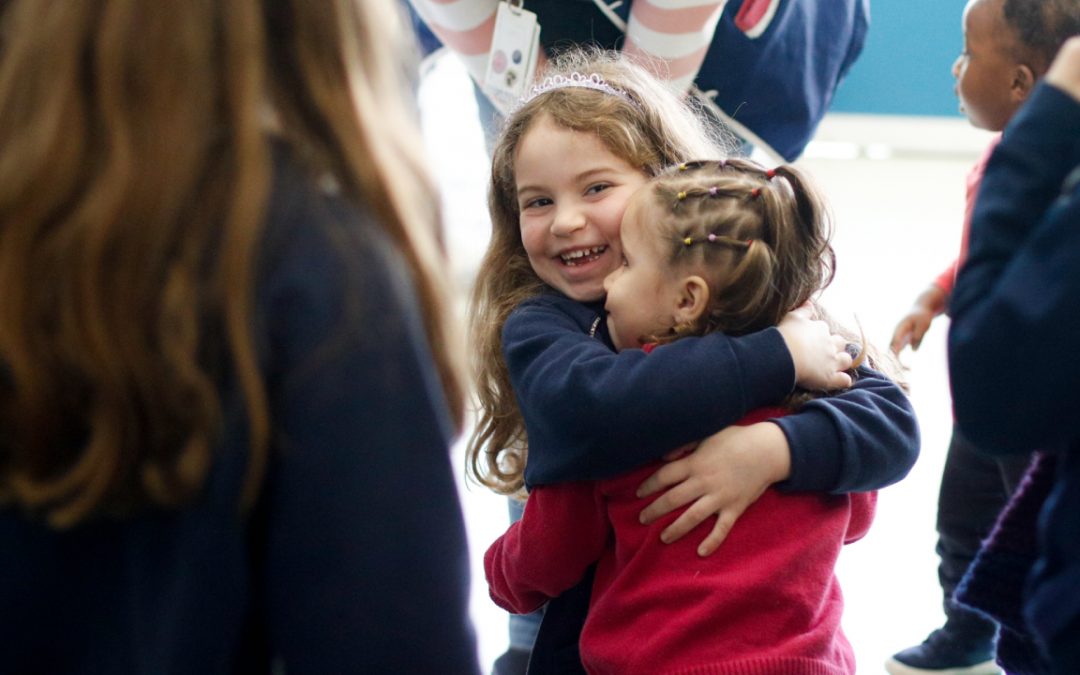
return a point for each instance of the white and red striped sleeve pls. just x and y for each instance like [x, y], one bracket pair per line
[466, 27]
[675, 32]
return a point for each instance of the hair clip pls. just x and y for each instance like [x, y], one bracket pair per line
[688, 241]
[749, 243]
[681, 196]
[770, 174]
[712, 236]
[755, 193]
[712, 191]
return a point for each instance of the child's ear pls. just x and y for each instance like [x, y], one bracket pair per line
[692, 299]
[1024, 80]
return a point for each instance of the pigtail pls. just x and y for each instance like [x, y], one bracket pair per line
[812, 224]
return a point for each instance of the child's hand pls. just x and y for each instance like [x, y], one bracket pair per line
[820, 357]
[725, 475]
[1064, 72]
[913, 327]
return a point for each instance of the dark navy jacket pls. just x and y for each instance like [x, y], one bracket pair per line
[355, 559]
[1014, 337]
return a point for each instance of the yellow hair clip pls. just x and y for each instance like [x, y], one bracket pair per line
[688, 241]
[681, 196]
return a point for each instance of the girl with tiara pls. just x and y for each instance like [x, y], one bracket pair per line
[713, 247]
[550, 386]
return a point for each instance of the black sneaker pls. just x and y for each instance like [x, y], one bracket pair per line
[942, 654]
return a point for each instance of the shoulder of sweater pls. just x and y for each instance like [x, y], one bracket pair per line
[584, 315]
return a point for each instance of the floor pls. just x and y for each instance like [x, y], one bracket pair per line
[895, 186]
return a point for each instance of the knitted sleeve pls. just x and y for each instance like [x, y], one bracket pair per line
[563, 531]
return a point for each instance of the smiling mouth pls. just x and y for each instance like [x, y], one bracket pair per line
[582, 255]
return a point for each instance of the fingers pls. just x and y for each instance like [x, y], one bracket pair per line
[691, 518]
[719, 533]
[901, 338]
[678, 496]
[666, 476]
[840, 381]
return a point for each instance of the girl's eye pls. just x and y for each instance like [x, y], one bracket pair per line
[595, 189]
[536, 203]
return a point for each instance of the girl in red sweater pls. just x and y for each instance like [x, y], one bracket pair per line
[707, 246]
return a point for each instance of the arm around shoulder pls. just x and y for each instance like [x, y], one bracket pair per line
[591, 413]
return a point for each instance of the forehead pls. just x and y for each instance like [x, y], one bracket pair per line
[643, 214]
[985, 19]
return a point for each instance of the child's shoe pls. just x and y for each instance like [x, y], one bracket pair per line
[514, 661]
[943, 654]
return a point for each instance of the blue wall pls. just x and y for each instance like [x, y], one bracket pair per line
[906, 66]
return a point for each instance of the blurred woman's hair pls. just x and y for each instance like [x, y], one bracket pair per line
[135, 168]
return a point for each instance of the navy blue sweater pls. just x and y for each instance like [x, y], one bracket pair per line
[355, 559]
[1014, 335]
[592, 413]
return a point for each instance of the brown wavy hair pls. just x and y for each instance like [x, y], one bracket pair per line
[650, 128]
[760, 238]
[134, 176]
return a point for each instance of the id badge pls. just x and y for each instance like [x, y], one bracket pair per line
[515, 48]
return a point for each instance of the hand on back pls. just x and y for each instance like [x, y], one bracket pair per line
[820, 356]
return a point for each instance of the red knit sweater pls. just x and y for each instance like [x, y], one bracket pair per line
[766, 603]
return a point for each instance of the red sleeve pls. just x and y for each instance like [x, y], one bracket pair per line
[946, 279]
[564, 530]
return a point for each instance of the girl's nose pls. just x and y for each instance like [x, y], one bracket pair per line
[956, 66]
[567, 221]
[609, 280]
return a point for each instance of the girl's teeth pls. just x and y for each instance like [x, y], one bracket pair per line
[573, 257]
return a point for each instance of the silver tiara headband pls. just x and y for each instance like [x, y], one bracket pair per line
[592, 81]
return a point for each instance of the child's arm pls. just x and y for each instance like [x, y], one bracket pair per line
[562, 532]
[466, 27]
[1015, 326]
[911, 329]
[859, 440]
[591, 413]
[674, 33]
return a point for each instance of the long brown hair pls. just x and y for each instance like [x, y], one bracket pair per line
[650, 128]
[134, 177]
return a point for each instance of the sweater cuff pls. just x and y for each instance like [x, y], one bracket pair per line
[815, 452]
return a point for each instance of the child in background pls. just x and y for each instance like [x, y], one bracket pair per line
[709, 247]
[549, 383]
[1017, 295]
[1008, 45]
